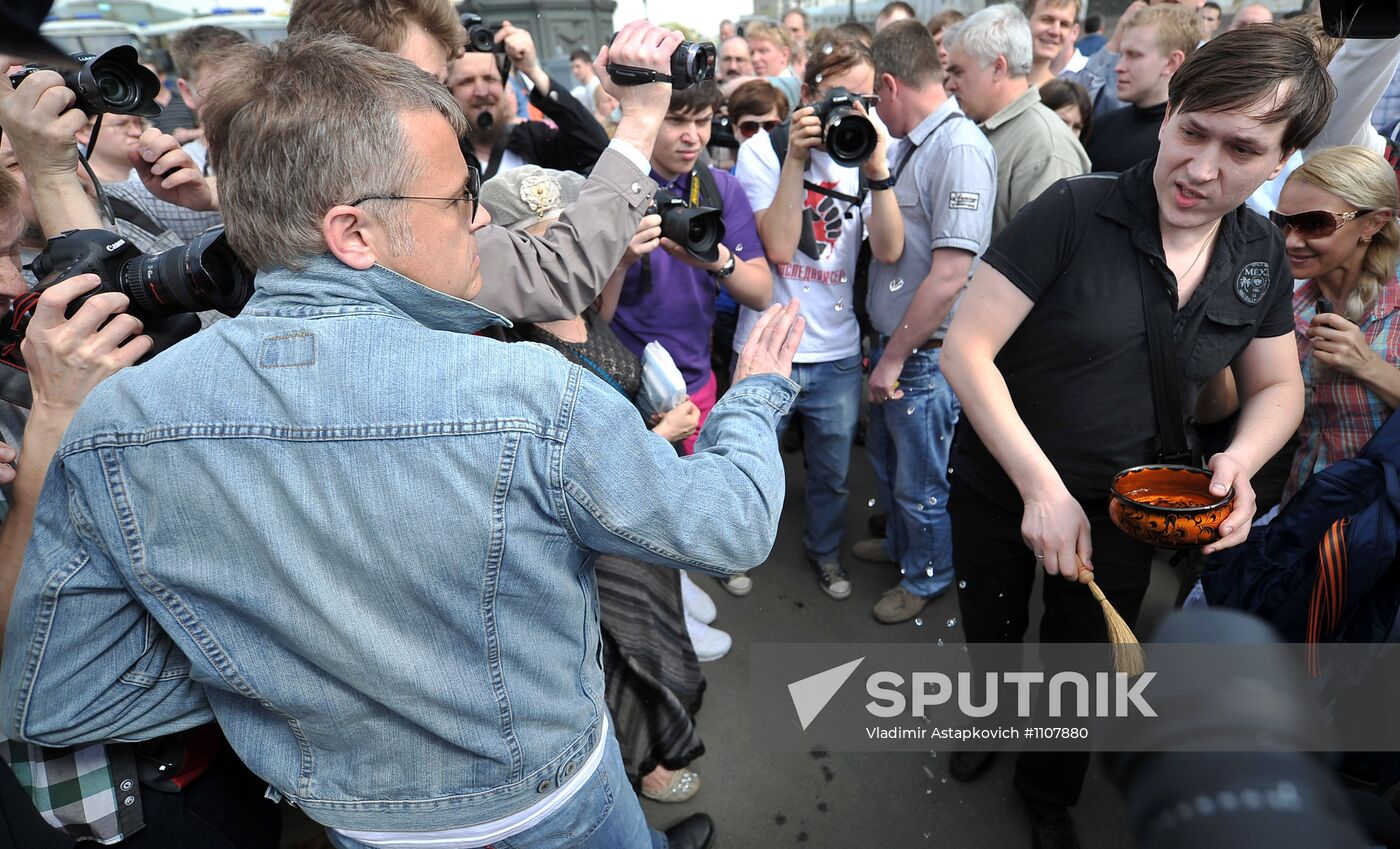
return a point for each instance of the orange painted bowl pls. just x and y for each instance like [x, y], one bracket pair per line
[1168, 506]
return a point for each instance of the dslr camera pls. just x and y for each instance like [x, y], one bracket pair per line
[164, 288]
[848, 136]
[113, 82]
[698, 229]
[691, 64]
[480, 37]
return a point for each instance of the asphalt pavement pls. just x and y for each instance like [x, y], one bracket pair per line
[760, 796]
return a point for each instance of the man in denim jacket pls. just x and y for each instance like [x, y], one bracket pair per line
[352, 532]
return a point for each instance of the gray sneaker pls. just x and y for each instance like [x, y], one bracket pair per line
[899, 605]
[833, 578]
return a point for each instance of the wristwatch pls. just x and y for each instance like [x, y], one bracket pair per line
[726, 269]
[879, 185]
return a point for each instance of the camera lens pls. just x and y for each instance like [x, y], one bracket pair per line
[849, 136]
[203, 275]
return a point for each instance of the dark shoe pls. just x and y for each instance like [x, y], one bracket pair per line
[1053, 831]
[966, 766]
[696, 831]
[834, 580]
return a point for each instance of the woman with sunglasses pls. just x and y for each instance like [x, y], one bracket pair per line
[756, 105]
[1337, 214]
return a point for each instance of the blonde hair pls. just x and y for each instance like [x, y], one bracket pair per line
[1178, 28]
[775, 35]
[1364, 180]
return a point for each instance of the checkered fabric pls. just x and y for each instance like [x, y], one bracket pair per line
[90, 793]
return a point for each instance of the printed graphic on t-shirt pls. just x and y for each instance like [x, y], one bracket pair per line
[823, 215]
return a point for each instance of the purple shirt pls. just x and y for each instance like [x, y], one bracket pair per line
[679, 310]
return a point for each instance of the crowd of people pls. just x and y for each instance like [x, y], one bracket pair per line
[359, 549]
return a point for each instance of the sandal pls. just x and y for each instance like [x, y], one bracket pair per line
[684, 784]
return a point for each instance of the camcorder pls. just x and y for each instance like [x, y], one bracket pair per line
[165, 289]
[691, 64]
[481, 38]
[698, 229]
[113, 82]
[848, 136]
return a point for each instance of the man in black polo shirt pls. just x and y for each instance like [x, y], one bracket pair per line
[1048, 355]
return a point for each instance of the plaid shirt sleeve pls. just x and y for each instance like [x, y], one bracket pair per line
[89, 793]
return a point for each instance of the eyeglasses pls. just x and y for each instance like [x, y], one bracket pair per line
[1315, 224]
[870, 100]
[471, 193]
[748, 128]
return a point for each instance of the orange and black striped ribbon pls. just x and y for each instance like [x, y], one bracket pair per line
[1330, 590]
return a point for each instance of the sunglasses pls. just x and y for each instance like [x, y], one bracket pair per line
[471, 193]
[1316, 223]
[748, 128]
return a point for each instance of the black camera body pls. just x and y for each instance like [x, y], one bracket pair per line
[848, 136]
[481, 38]
[113, 82]
[698, 229]
[165, 289]
[692, 63]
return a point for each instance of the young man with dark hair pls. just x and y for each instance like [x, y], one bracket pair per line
[1156, 40]
[1050, 358]
[581, 65]
[1210, 20]
[1093, 37]
[945, 180]
[668, 296]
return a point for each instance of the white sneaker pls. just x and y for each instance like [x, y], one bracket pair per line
[738, 585]
[696, 601]
[710, 643]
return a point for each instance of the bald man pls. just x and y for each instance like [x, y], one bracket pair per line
[1254, 13]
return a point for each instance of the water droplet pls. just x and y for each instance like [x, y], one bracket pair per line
[919, 621]
[827, 49]
[908, 411]
[952, 622]
[819, 79]
[920, 505]
[870, 503]
[840, 304]
[940, 642]
[933, 754]
[806, 287]
[950, 470]
[738, 248]
[999, 595]
[929, 571]
[962, 585]
[844, 278]
[928, 792]
[945, 781]
[933, 500]
[896, 284]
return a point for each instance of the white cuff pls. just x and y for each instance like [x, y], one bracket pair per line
[633, 155]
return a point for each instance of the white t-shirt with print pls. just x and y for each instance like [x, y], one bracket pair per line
[823, 283]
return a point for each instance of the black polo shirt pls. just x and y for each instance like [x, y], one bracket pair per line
[1078, 367]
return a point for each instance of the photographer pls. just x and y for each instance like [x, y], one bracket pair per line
[669, 296]
[443, 605]
[499, 142]
[557, 275]
[812, 213]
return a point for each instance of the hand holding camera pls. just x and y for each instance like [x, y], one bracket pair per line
[805, 134]
[40, 121]
[646, 240]
[519, 47]
[67, 357]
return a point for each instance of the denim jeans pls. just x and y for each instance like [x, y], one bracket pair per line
[603, 815]
[830, 405]
[908, 440]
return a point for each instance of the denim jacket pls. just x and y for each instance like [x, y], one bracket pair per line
[362, 540]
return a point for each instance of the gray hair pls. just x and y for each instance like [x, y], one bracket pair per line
[1000, 30]
[312, 123]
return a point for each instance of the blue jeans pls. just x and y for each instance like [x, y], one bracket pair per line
[830, 405]
[605, 814]
[908, 442]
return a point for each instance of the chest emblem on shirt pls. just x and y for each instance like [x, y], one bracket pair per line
[1252, 283]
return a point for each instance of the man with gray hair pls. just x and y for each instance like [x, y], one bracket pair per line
[377, 580]
[989, 60]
